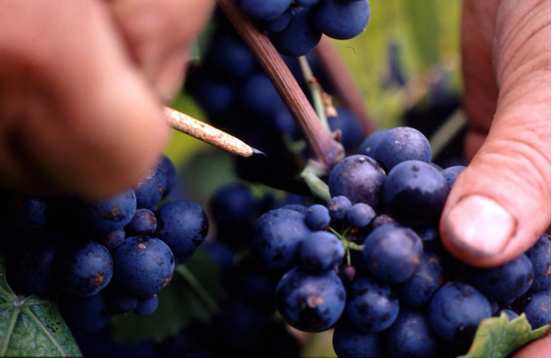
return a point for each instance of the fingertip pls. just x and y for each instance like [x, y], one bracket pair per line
[477, 229]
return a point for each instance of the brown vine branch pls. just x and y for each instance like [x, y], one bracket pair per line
[324, 147]
[345, 86]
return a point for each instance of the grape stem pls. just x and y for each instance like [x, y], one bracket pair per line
[346, 89]
[311, 175]
[347, 244]
[198, 289]
[315, 89]
[326, 150]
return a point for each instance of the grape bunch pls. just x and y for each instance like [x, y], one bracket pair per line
[296, 26]
[237, 96]
[99, 258]
[370, 264]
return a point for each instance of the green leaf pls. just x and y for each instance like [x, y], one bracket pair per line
[179, 304]
[30, 326]
[498, 337]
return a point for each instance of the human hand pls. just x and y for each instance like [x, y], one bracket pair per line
[500, 204]
[81, 88]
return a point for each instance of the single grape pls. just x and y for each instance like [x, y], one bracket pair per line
[263, 9]
[215, 97]
[231, 56]
[410, 336]
[415, 192]
[348, 342]
[144, 222]
[401, 144]
[317, 217]
[371, 306]
[183, 226]
[320, 251]
[392, 253]
[277, 237]
[350, 127]
[147, 306]
[168, 171]
[342, 20]
[307, 3]
[301, 209]
[111, 214]
[113, 239]
[369, 145]
[280, 23]
[338, 207]
[505, 283]
[221, 254]
[420, 287]
[360, 215]
[537, 309]
[310, 302]
[143, 265]
[121, 303]
[382, 219]
[259, 95]
[154, 186]
[299, 37]
[359, 178]
[539, 255]
[234, 209]
[456, 310]
[87, 268]
[509, 313]
[451, 173]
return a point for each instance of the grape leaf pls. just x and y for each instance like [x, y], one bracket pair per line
[179, 304]
[498, 337]
[30, 326]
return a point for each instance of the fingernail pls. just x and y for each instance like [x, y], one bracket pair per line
[479, 225]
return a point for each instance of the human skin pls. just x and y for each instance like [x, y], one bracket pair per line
[500, 204]
[81, 88]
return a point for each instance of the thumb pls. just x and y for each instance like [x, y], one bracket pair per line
[501, 203]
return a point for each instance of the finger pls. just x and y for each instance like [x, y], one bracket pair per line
[76, 114]
[473, 142]
[480, 88]
[537, 349]
[158, 34]
[501, 203]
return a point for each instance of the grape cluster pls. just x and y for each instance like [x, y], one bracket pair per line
[98, 258]
[296, 26]
[245, 324]
[369, 262]
[237, 96]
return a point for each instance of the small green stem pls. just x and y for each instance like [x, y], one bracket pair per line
[315, 89]
[198, 289]
[353, 246]
[348, 257]
[348, 244]
[316, 185]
